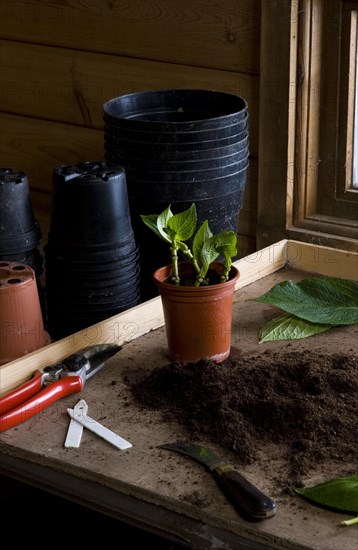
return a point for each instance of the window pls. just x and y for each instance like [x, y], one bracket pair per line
[355, 130]
[307, 125]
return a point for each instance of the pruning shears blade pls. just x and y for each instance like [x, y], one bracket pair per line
[98, 355]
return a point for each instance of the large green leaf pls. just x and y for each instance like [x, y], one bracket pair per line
[340, 493]
[289, 327]
[323, 300]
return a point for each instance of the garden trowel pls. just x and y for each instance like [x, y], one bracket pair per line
[250, 501]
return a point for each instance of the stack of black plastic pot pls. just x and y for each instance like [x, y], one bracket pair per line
[20, 233]
[178, 147]
[91, 256]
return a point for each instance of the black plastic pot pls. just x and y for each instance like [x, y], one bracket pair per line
[198, 177]
[221, 211]
[141, 148]
[175, 110]
[178, 147]
[96, 301]
[19, 230]
[119, 134]
[183, 165]
[193, 154]
[89, 207]
[63, 323]
[184, 191]
[95, 313]
[87, 266]
[158, 147]
[91, 255]
[72, 283]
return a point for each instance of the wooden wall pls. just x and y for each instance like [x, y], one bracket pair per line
[61, 60]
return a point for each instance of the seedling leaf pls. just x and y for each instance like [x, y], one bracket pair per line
[162, 223]
[183, 224]
[151, 221]
[203, 234]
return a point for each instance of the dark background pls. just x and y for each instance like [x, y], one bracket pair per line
[35, 513]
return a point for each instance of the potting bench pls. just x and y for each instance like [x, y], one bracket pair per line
[146, 486]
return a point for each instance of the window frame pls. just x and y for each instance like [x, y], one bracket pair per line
[293, 133]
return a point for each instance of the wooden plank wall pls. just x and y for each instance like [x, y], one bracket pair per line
[61, 60]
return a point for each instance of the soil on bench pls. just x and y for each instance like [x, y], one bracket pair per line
[302, 406]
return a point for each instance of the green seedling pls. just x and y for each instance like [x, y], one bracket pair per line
[177, 229]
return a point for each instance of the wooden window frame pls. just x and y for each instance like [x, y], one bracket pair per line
[301, 196]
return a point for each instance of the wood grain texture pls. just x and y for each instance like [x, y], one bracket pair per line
[276, 127]
[71, 86]
[327, 261]
[204, 33]
[37, 147]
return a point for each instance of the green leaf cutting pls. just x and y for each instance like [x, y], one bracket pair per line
[339, 494]
[322, 300]
[289, 327]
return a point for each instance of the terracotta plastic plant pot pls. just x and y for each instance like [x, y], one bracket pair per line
[197, 319]
[21, 321]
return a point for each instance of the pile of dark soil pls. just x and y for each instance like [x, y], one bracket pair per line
[305, 403]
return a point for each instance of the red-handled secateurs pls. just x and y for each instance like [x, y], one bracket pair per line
[53, 383]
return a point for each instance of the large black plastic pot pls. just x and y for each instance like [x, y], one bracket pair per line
[183, 164]
[176, 137]
[181, 110]
[178, 147]
[158, 147]
[184, 191]
[193, 154]
[186, 176]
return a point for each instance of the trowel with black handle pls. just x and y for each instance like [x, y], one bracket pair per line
[249, 500]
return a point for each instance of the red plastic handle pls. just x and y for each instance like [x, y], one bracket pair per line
[45, 398]
[21, 394]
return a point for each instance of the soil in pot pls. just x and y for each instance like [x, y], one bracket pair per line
[301, 404]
